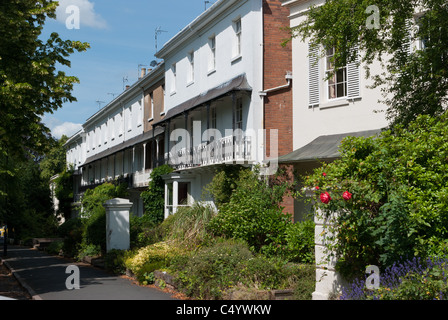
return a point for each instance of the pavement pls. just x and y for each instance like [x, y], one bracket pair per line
[44, 277]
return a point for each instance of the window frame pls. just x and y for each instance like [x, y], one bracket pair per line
[336, 83]
[238, 30]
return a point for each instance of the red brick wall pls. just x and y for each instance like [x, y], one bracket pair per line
[277, 61]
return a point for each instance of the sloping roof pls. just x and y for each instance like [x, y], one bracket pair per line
[125, 145]
[238, 83]
[323, 147]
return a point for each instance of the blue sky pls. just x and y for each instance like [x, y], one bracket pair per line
[121, 34]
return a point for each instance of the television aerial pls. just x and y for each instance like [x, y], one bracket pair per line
[157, 32]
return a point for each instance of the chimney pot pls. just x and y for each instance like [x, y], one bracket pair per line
[142, 72]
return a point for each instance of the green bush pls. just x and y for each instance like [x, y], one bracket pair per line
[71, 230]
[154, 196]
[55, 247]
[145, 232]
[94, 213]
[223, 184]
[209, 271]
[300, 242]
[95, 229]
[189, 224]
[114, 261]
[212, 272]
[150, 258]
[395, 203]
[253, 213]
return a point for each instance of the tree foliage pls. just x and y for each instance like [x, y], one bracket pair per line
[30, 86]
[413, 83]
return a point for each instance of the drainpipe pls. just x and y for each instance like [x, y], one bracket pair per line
[288, 78]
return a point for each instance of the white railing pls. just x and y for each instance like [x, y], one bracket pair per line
[141, 178]
[230, 148]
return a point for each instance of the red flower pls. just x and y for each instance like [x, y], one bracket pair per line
[324, 174]
[317, 187]
[325, 197]
[347, 195]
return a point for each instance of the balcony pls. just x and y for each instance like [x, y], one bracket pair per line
[141, 178]
[225, 150]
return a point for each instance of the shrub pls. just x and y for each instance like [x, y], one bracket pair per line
[214, 272]
[209, 271]
[189, 224]
[114, 261]
[154, 196]
[223, 184]
[144, 232]
[95, 229]
[300, 242]
[88, 250]
[415, 279]
[253, 213]
[71, 230]
[94, 213]
[390, 193]
[152, 257]
[55, 247]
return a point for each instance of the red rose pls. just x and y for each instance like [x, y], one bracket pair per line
[347, 195]
[317, 188]
[325, 197]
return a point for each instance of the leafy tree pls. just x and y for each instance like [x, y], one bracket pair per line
[30, 84]
[54, 161]
[414, 83]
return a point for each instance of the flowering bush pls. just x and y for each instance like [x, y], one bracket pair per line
[152, 257]
[390, 195]
[415, 279]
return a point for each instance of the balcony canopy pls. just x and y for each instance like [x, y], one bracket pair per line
[238, 83]
[125, 145]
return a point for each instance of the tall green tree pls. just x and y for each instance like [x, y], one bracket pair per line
[30, 83]
[54, 161]
[415, 81]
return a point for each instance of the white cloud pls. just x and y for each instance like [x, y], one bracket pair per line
[87, 15]
[67, 128]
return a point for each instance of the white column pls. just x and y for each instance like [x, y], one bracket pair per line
[175, 195]
[167, 195]
[117, 224]
[328, 280]
[144, 157]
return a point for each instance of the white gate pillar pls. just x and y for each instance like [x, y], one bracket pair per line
[328, 281]
[117, 224]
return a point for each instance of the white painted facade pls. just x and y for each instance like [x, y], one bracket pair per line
[76, 150]
[112, 143]
[328, 115]
[222, 44]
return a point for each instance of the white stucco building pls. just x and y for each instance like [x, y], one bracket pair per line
[214, 71]
[118, 142]
[207, 104]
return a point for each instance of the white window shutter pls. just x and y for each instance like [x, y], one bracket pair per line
[353, 77]
[313, 75]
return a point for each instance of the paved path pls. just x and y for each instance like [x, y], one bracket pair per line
[44, 276]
